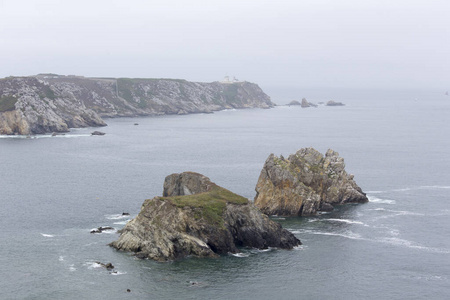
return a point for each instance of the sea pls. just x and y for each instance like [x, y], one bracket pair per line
[55, 190]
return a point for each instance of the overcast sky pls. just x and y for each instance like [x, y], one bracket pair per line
[313, 43]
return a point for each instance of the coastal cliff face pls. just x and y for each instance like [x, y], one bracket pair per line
[305, 183]
[197, 217]
[51, 103]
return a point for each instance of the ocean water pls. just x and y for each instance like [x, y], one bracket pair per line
[54, 190]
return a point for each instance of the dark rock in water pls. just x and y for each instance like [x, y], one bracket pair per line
[333, 103]
[125, 214]
[305, 183]
[136, 124]
[98, 133]
[101, 229]
[108, 266]
[324, 206]
[197, 217]
[128, 290]
[57, 133]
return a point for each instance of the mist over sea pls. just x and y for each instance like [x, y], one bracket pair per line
[54, 190]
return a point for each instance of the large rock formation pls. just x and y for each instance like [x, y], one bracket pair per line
[54, 103]
[197, 217]
[305, 183]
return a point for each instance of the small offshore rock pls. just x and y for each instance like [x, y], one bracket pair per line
[306, 104]
[98, 133]
[57, 133]
[101, 229]
[108, 266]
[333, 103]
[294, 102]
[305, 183]
[125, 214]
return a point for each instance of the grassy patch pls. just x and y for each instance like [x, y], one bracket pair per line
[47, 92]
[210, 205]
[7, 103]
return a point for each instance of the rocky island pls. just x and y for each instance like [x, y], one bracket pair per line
[305, 183]
[196, 217]
[54, 103]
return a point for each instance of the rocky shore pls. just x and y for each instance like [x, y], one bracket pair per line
[53, 103]
[305, 183]
[197, 217]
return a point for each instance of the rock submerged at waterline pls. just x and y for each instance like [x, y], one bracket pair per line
[305, 183]
[196, 217]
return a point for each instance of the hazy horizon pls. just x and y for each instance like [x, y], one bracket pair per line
[350, 44]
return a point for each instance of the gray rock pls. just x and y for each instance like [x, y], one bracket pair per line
[333, 103]
[305, 183]
[98, 133]
[199, 218]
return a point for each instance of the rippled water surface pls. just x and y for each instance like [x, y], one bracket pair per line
[54, 190]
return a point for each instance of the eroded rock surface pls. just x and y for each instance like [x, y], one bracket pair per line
[197, 217]
[304, 183]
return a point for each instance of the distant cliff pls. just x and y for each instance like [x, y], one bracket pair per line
[53, 103]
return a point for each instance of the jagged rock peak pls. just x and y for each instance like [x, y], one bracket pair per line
[304, 183]
[199, 218]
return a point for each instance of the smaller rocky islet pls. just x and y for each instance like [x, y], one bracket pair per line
[197, 217]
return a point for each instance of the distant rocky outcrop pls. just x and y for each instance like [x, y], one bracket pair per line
[294, 102]
[306, 104]
[197, 217]
[54, 103]
[304, 183]
[334, 103]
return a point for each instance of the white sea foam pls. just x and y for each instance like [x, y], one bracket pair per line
[240, 254]
[61, 258]
[118, 273]
[408, 244]
[379, 200]
[47, 235]
[402, 190]
[374, 192]
[431, 187]
[299, 247]
[344, 221]
[93, 265]
[122, 222]
[348, 235]
[72, 269]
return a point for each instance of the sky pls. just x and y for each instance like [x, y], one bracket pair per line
[311, 43]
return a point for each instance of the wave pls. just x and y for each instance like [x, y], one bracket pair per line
[344, 221]
[61, 258]
[408, 244]
[379, 200]
[348, 234]
[47, 235]
[43, 136]
[422, 187]
[118, 273]
[374, 192]
[240, 254]
[434, 187]
[122, 222]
